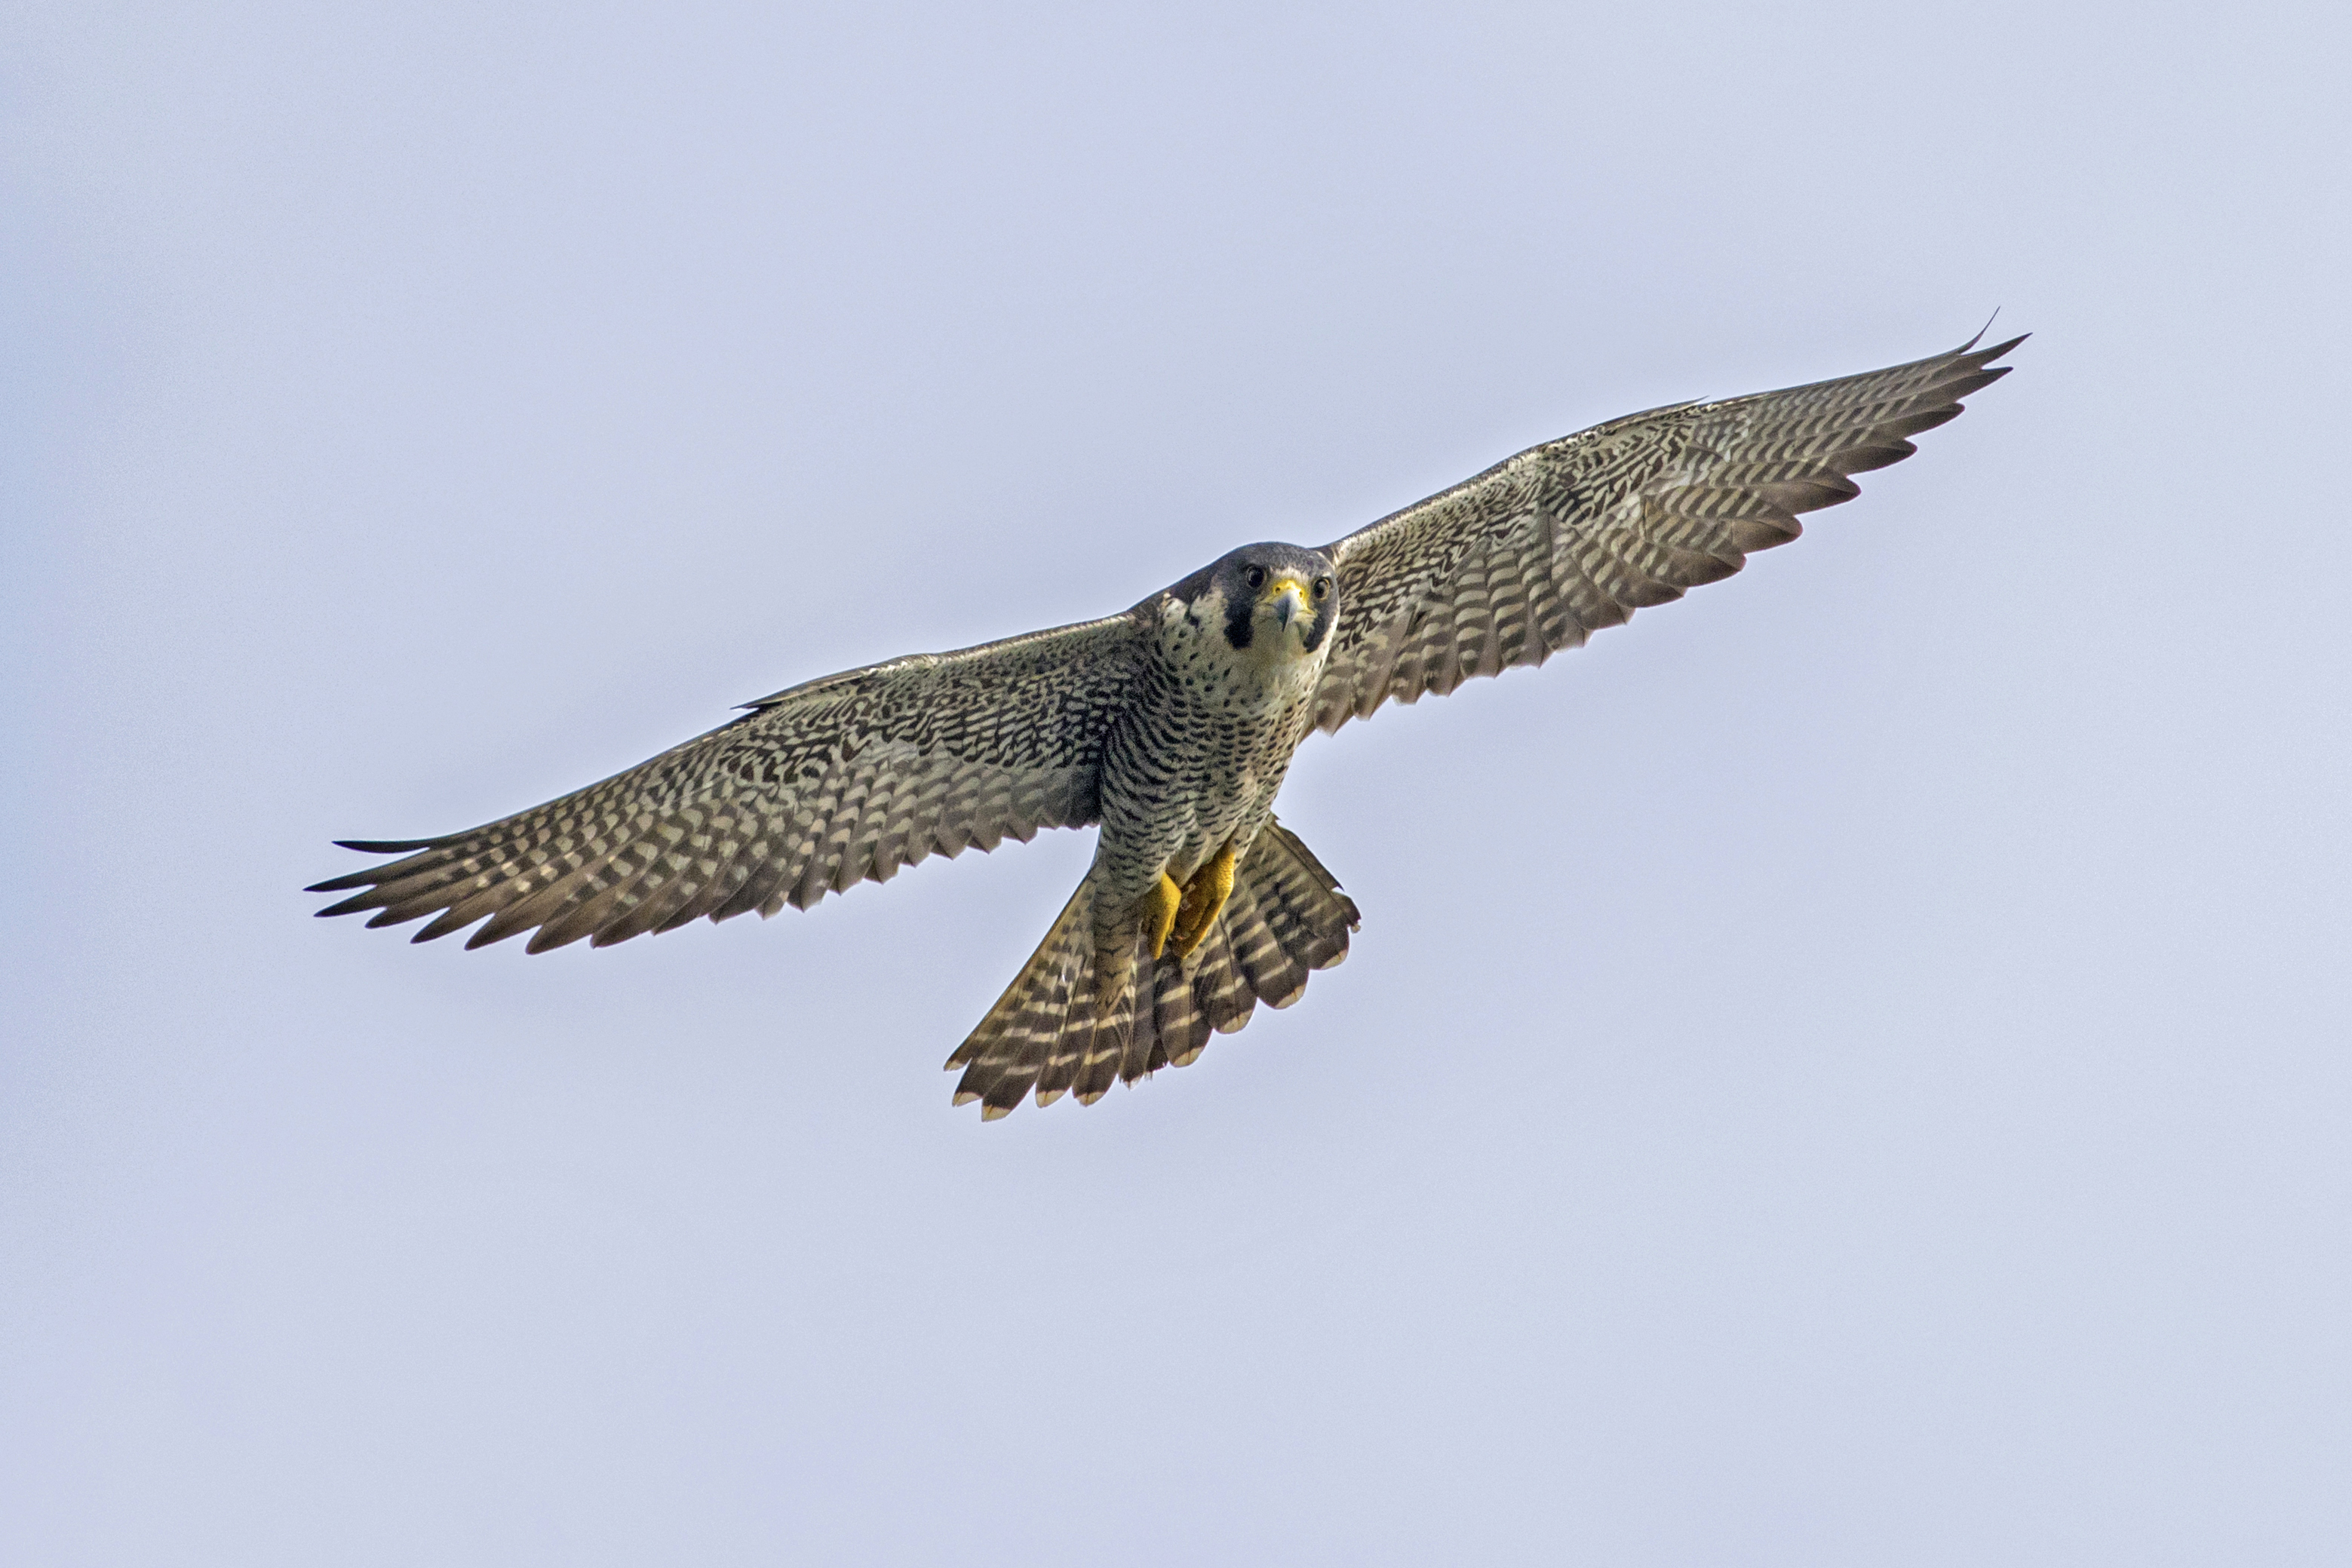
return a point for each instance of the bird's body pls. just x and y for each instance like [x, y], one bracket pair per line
[1212, 719]
[1172, 726]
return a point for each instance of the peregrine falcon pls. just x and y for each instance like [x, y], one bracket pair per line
[1171, 725]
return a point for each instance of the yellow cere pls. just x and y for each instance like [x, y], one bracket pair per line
[1274, 590]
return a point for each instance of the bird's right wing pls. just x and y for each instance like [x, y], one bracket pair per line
[1547, 548]
[845, 778]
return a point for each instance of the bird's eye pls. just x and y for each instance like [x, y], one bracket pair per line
[1322, 588]
[1254, 577]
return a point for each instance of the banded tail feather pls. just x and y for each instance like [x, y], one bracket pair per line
[1286, 918]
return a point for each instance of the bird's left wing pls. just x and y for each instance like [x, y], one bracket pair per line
[845, 778]
[1545, 547]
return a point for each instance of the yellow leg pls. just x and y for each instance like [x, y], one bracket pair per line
[1158, 910]
[1204, 899]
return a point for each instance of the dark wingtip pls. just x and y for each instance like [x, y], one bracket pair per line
[367, 876]
[1988, 355]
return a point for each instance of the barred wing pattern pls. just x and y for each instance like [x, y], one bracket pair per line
[844, 778]
[1544, 548]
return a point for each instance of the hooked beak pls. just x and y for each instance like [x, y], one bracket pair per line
[1286, 597]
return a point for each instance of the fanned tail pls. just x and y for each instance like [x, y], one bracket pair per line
[1036, 1032]
[1049, 1032]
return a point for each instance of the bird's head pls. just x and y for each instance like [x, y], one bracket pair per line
[1279, 601]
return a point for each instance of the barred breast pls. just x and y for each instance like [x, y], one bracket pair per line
[1202, 750]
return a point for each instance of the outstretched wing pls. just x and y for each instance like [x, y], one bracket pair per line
[1547, 548]
[845, 778]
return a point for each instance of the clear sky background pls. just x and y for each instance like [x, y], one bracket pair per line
[1851, 1069]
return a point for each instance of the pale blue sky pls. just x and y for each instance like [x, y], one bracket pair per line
[1851, 1069]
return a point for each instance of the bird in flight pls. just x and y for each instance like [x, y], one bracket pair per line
[1171, 725]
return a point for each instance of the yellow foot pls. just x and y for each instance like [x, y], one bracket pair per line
[1158, 909]
[1204, 899]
